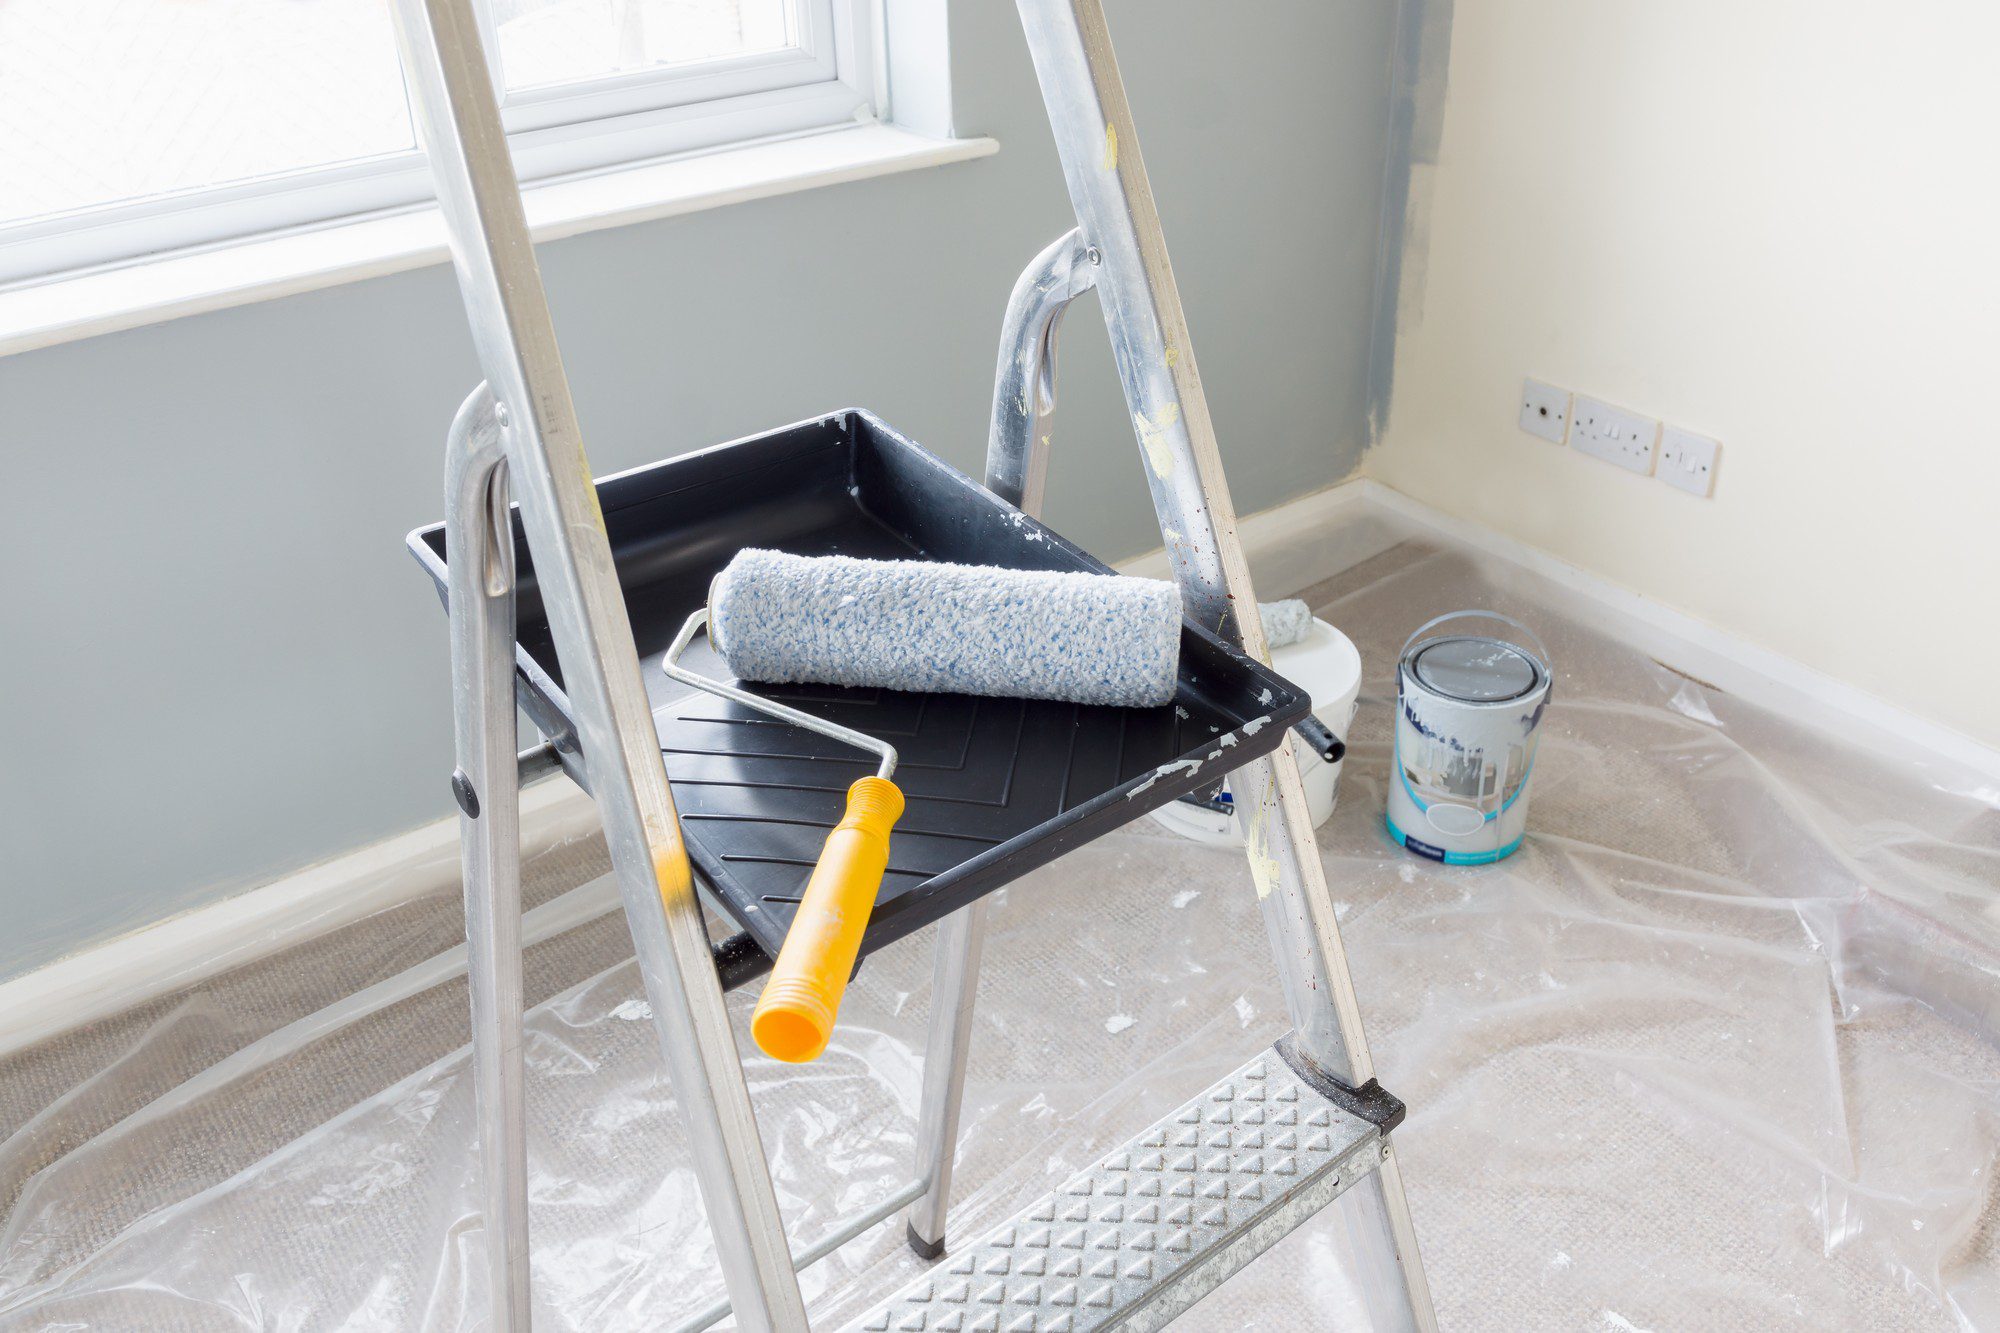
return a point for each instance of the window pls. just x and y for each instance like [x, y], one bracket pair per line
[132, 127]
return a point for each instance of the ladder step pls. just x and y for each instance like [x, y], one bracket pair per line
[1158, 1223]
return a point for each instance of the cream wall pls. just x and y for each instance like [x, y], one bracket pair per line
[1774, 223]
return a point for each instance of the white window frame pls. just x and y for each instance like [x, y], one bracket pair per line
[557, 131]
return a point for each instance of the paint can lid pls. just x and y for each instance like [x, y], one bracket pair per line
[1476, 670]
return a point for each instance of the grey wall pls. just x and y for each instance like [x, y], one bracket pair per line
[219, 662]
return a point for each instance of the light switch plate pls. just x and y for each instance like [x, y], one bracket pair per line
[1688, 460]
[1624, 439]
[1544, 410]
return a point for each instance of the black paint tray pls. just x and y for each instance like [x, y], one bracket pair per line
[995, 787]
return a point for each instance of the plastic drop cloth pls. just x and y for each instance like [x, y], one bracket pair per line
[1714, 1050]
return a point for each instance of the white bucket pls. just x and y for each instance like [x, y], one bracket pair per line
[1325, 664]
[1468, 718]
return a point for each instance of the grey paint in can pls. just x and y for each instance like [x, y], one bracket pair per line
[1468, 724]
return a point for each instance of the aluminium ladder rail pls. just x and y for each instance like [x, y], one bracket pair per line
[1208, 1187]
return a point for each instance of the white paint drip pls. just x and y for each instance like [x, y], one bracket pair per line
[1188, 766]
[1117, 1023]
[1264, 871]
[1184, 897]
[1153, 435]
[1026, 526]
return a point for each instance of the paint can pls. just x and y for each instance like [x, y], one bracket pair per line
[1468, 721]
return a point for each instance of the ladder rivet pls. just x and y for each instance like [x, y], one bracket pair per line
[502, 415]
[461, 789]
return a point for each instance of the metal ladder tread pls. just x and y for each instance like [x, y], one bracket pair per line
[1156, 1224]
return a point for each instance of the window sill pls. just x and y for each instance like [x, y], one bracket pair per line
[83, 306]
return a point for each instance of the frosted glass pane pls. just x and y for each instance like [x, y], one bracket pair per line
[566, 41]
[110, 100]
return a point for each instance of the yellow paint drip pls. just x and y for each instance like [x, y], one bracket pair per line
[590, 489]
[1153, 436]
[1264, 871]
[670, 863]
[1110, 146]
[1173, 355]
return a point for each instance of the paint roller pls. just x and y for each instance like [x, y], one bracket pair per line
[919, 626]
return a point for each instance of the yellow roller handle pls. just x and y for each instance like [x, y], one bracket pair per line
[794, 1016]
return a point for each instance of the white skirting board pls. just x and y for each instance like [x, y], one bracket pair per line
[1294, 545]
[1717, 657]
[184, 950]
[1290, 547]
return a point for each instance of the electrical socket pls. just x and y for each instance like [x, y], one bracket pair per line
[1544, 410]
[1688, 460]
[1623, 439]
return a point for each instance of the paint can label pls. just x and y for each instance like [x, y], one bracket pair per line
[1422, 848]
[1467, 731]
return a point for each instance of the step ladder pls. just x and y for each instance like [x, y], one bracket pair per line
[1165, 1218]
